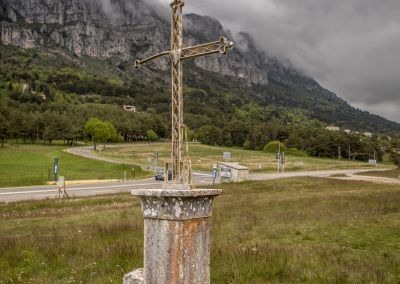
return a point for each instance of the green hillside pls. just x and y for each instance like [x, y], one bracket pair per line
[218, 109]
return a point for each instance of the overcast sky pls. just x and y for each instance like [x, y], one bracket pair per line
[351, 47]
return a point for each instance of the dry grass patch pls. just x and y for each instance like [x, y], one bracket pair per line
[203, 157]
[298, 230]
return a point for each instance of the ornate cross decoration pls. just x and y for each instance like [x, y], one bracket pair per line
[182, 176]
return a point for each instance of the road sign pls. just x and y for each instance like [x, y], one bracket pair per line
[225, 172]
[55, 168]
[61, 181]
[226, 155]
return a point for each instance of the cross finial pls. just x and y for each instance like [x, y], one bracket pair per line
[182, 176]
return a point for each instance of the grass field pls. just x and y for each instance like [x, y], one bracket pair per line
[203, 157]
[29, 165]
[299, 230]
[385, 174]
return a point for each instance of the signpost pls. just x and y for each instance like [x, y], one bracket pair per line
[55, 168]
[225, 173]
[278, 155]
[226, 156]
[62, 192]
[215, 166]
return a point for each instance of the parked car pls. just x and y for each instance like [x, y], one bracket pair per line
[160, 175]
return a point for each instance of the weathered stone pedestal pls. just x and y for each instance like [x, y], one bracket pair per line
[176, 235]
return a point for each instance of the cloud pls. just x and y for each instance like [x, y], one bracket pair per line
[351, 47]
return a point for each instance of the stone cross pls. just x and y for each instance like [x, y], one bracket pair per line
[176, 219]
[182, 176]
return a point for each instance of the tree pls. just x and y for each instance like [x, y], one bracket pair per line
[120, 139]
[97, 129]
[112, 132]
[200, 135]
[151, 135]
[4, 125]
[395, 158]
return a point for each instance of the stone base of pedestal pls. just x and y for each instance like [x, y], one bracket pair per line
[176, 234]
[134, 277]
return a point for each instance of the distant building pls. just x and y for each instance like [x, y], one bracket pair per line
[333, 128]
[368, 134]
[43, 96]
[347, 131]
[130, 108]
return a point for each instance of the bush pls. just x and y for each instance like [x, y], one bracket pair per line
[247, 145]
[228, 143]
[273, 147]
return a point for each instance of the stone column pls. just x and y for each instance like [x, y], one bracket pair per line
[176, 235]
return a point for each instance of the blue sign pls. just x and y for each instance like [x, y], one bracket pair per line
[214, 173]
[55, 168]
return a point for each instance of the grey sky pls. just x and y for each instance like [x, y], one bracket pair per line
[351, 47]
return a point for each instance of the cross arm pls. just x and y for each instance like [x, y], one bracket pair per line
[220, 46]
[140, 62]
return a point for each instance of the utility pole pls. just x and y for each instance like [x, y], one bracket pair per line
[278, 156]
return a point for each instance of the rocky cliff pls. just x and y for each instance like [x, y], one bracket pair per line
[125, 29]
[132, 29]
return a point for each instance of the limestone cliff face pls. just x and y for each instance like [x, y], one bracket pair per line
[127, 29]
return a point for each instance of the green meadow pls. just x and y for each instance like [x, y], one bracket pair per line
[298, 230]
[203, 157]
[30, 164]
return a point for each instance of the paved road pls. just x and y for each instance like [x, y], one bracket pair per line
[50, 191]
[87, 153]
[87, 189]
[201, 178]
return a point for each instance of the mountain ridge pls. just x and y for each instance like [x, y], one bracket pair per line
[134, 30]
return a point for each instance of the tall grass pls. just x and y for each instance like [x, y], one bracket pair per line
[299, 230]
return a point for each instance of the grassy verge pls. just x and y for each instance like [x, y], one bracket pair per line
[299, 230]
[385, 174]
[30, 165]
[203, 157]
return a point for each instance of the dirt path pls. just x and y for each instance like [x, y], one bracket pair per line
[369, 178]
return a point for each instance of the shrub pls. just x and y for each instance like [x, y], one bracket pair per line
[273, 147]
[228, 143]
[247, 145]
